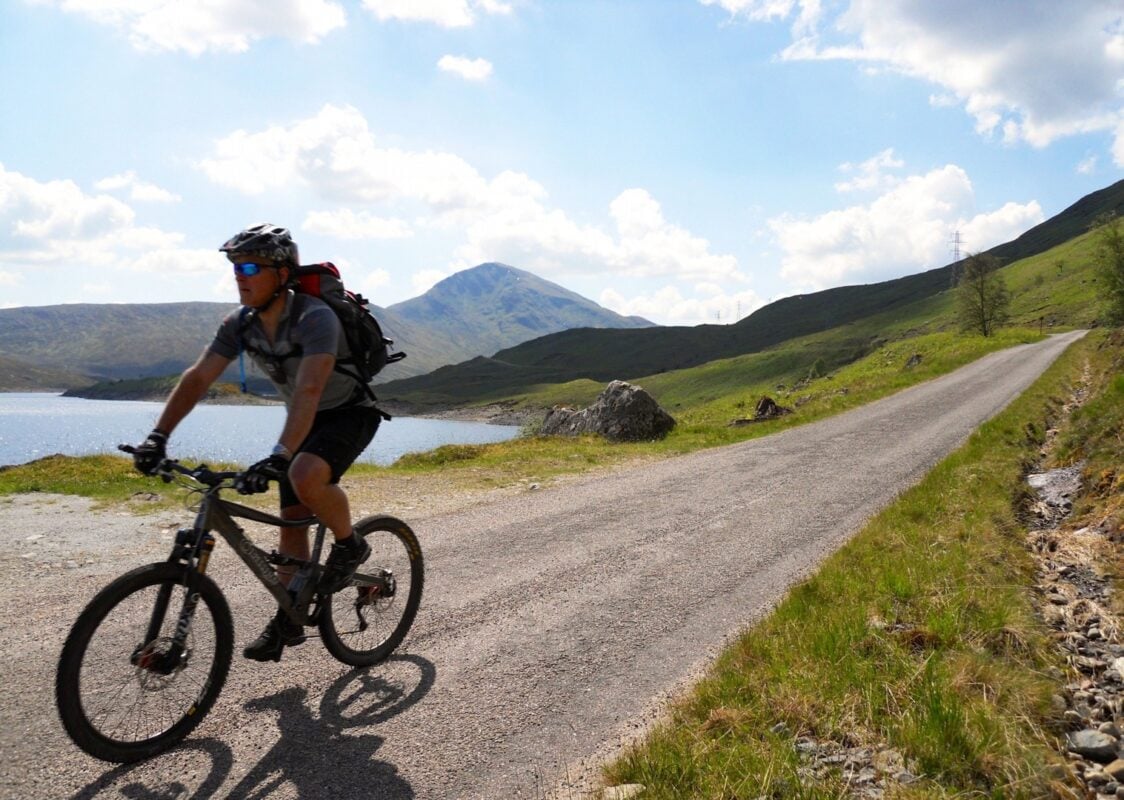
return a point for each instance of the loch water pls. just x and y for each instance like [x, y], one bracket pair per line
[34, 425]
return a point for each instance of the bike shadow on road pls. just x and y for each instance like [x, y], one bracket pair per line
[322, 756]
[206, 780]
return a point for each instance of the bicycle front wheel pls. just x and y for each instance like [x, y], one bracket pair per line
[125, 690]
[363, 624]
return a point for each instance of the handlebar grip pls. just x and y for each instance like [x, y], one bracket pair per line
[127, 448]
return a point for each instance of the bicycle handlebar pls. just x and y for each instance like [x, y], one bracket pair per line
[168, 467]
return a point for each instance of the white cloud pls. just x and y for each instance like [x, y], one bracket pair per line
[180, 261]
[1034, 74]
[1087, 165]
[55, 223]
[757, 10]
[905, 229]
[10, 279]
[31, 210]
[521, 229]
[506, 218]
[100, 290]
[335, 154]
[375, 280]
[196, 26]
[347, 224]
[425, 279]
[871, 174]
[649, 245]
[471, 69]
[446, 13]
[986, 230]
[138, 190]
[668, 305]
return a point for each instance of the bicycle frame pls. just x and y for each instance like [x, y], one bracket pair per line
[148, 656]
[216, 514]
[193, 548]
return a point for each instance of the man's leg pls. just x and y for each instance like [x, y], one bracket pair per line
[281, 631]
[293, 542]
[311, 477]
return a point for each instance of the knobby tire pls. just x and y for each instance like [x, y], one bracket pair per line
[119, 711]
[344, 614]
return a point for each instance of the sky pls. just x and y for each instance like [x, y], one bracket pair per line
[683, 160]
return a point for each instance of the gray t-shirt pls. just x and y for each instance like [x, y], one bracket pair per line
[308, 326]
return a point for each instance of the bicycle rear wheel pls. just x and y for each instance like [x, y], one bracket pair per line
[123, 691]
[362, 625]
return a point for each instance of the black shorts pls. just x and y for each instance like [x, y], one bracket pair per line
[339, 436]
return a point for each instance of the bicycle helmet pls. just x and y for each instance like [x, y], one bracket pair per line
[266, 241]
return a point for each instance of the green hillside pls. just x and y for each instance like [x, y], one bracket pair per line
[1053, 290]
[110, 341]
[22, 376]
[1054, 285]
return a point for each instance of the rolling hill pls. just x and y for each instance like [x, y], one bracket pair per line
[473, 312]
[602, 355]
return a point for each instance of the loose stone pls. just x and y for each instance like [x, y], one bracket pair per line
[1094, 745]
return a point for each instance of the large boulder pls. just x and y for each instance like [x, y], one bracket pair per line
[621, 413]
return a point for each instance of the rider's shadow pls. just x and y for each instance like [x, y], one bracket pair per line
[317, 756]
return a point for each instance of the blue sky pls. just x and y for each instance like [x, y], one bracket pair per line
[685, 160]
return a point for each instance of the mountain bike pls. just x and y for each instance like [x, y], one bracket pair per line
[148, 656]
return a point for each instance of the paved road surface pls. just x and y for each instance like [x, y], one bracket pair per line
[550, 622]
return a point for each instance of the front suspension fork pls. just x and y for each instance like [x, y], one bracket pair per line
[166, 662]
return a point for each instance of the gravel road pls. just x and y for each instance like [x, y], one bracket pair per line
[554, 621]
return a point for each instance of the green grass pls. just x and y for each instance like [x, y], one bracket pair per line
[102, 477]
[918, 635]
[1096, 436]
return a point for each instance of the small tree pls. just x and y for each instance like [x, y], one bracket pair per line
[1110, 264]
[982, 298]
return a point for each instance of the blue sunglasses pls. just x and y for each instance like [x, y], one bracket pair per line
[249, 269]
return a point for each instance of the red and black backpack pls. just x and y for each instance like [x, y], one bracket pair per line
[370, 349]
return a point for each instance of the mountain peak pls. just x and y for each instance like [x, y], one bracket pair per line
[503, 306]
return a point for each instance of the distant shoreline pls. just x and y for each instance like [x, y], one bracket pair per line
[224, 395]
[500, 413]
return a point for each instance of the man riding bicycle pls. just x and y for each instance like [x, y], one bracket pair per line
[330, 418]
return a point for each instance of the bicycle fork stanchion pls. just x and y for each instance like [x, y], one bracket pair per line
[147, 656]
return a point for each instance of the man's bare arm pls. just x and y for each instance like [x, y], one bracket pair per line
[312, 377]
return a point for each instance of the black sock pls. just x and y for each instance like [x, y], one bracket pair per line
[351, 543]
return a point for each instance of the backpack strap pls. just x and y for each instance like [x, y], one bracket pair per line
[244, 319]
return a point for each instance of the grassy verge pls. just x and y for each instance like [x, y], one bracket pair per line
[705, 400]
[103, 478]
[918, 635]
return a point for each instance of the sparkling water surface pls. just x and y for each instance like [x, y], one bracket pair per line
[34, 425]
